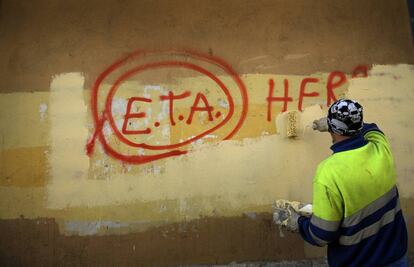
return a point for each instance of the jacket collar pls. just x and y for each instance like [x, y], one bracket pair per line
[349, 144]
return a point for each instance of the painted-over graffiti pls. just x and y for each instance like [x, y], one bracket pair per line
[140, 62]
[127, 115]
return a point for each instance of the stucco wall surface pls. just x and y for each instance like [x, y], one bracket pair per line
[156, 133]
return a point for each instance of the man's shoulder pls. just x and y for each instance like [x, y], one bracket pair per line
[331, 168]
[327, 163]
[325, 168]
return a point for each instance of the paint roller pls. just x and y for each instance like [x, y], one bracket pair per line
[288, 124]
[292, 123]
[295, 123]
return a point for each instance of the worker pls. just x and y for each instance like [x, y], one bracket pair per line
[356, 207]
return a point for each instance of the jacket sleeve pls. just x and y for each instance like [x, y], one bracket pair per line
[323, 226]
[372, 133]
[370, 127]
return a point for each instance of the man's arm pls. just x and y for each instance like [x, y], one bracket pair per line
[369, 127]
[323, 227]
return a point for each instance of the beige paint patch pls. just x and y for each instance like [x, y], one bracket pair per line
[212, 171]
[387, 96]
[32, 203]
[68, 161]
[109, 182]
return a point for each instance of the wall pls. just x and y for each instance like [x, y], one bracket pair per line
[155, 133]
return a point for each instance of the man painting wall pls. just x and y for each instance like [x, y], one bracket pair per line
[356, 208]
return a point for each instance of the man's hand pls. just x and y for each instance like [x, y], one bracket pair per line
[286, 217]
[320, 125]
[286, 213]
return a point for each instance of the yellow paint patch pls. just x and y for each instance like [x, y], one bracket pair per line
[23, 167]
[24, 120]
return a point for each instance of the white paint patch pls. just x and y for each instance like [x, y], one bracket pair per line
[162, 114]
[120, 122]
[107, 130]
[91, 228]
[253, 59]
[264, 67]
[281, 234]
[119, 106]
[148, 116]
[101, 227]
[223, 103]
[165, 131]
[155, 169]
[151, 88]
[42, 111]
[141, 151]
[295, 56]
[183, 206]
[251, 215]
[163, 208]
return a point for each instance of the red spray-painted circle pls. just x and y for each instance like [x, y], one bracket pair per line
[99, 119]
[156, 65]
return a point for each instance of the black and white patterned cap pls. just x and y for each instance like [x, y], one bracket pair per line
[345, 117]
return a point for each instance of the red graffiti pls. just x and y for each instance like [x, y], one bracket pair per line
[332, 84]
[136, 113]
[200, 104]
[302, 93]
[195, 108]
[360, 71]
[335, 80]
[171, 97]
[286, 99]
